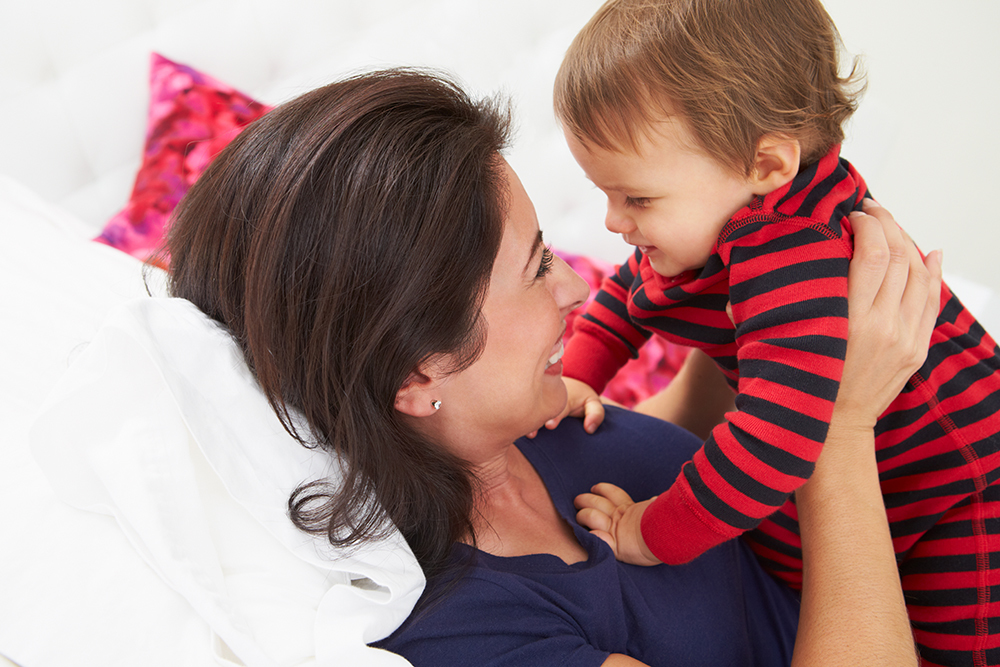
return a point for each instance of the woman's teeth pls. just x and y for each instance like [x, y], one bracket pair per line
[556, 357]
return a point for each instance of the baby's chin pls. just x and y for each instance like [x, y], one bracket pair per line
[662, 265]
[671, 272]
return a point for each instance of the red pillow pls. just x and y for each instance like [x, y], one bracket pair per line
[191, 118]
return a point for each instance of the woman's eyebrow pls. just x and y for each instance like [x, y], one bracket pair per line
[539, 243]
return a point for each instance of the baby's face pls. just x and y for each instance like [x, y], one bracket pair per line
[669, 199]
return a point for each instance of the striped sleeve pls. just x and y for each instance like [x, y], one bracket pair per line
[788, 290]
[605, 337]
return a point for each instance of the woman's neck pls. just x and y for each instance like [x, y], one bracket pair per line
[515, 515]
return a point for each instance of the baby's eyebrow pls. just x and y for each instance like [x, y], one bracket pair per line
[539, 243]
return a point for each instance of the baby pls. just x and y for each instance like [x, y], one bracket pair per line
[714, 129]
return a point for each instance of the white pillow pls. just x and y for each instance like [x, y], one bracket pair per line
[177, 550]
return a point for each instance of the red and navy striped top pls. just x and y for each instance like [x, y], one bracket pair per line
[782, 263]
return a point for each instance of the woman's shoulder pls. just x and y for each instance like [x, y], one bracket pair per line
[639, 453]
[505, 611]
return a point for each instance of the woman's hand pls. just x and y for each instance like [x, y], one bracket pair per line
[610, 514]
[893, 301]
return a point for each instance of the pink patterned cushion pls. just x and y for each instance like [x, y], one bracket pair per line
[658, 361]
[192, 117]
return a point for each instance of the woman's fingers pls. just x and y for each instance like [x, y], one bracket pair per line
[894, 296]
[901, 250]
[871, 259]
[921, 302]
[932, 308]
[911, 287]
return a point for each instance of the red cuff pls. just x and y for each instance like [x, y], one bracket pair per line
[677, 531]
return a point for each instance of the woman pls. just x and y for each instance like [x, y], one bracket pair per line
[381, 267]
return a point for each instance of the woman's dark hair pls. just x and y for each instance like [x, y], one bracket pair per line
[343, 239]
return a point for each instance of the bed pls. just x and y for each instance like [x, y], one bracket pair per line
[176, 553]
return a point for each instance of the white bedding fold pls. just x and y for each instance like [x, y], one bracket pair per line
[159, 423]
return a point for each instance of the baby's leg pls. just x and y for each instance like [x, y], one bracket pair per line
[950, 575]
[951, 579]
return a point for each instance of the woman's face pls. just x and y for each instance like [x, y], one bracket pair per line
[516, 384]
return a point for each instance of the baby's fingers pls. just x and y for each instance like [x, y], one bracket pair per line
[552, 423]
[593, 519]
[608, 539]
[595, 502]
[593, 414]
[615, 494]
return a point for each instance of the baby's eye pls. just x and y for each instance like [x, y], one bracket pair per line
[636, 202]
[545, 266]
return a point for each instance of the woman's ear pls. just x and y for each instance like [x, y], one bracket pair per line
[776, 164]
[418, 397]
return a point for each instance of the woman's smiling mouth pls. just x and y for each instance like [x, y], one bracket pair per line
[555, 359]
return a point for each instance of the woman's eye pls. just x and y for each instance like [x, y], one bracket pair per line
[545, 266]
[636, 202]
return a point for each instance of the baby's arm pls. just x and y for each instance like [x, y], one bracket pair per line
[790, 309]
[697, 399]
[604, 339]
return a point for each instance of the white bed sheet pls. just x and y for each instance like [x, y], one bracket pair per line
[57, 288]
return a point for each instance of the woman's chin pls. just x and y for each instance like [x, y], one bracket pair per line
[558, 408]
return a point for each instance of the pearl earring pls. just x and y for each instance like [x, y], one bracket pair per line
[436, 405]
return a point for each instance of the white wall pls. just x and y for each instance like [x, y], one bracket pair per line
[927, 137]
[73, 78]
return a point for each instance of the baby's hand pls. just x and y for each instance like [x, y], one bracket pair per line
[611, 515]
[582, 401]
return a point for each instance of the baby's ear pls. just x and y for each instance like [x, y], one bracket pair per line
[776, 164]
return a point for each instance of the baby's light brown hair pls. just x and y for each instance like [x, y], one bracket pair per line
[735, 70]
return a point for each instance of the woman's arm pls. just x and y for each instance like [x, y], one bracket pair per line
[853, 612]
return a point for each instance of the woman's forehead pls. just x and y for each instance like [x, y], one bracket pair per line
[521, 235]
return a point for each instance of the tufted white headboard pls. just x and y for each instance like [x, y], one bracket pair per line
[73, 78]
[73, 83]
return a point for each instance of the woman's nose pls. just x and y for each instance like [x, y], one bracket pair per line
[571, 291]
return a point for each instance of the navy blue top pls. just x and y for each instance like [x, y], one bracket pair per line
[720, 609]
